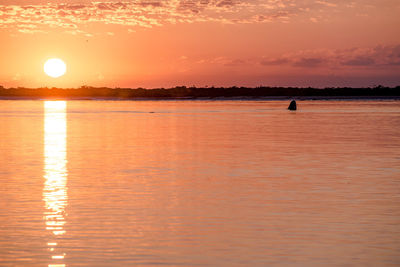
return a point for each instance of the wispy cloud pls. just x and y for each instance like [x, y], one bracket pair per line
[274, 61]
[72, 18]
[382, 56]
[379, 56]
[308, 62]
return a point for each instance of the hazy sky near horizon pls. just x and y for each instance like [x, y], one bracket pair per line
[153, 43]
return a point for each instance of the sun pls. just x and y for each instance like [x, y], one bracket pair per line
[55, 67]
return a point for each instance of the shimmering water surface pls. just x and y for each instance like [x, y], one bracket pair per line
[209, 183]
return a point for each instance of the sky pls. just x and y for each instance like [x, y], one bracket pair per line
[156, 43]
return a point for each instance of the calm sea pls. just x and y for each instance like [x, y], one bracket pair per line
[199, 183]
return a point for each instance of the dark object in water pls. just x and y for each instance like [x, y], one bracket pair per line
[292, 105]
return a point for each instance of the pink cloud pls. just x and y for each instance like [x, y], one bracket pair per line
[150, 13]
[379, 56]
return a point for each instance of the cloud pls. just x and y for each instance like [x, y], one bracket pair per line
[389, 55]
[226, 3]
[152, 13]
[309, 62]
[274, 61]
[359, 61]
[235, 63]
[155, 13]
[326, 3]
[376, 56]
[379, 56]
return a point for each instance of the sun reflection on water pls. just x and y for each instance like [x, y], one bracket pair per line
[55, 174]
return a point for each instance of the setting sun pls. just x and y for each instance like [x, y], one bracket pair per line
[55, 67]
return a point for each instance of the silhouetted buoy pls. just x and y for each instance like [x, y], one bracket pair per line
[292, 105]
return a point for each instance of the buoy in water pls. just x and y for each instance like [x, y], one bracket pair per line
[292, 105]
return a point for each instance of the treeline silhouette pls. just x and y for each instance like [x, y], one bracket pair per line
[199, 92]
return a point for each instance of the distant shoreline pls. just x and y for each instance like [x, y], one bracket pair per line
[283, 98]
[206, 93]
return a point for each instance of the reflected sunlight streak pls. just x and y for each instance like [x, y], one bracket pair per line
[55, 171]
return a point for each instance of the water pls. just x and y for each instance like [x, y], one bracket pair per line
[199, 183]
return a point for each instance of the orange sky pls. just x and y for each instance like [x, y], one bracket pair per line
[153, 43]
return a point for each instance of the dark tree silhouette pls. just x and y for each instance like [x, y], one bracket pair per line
[183, 92]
